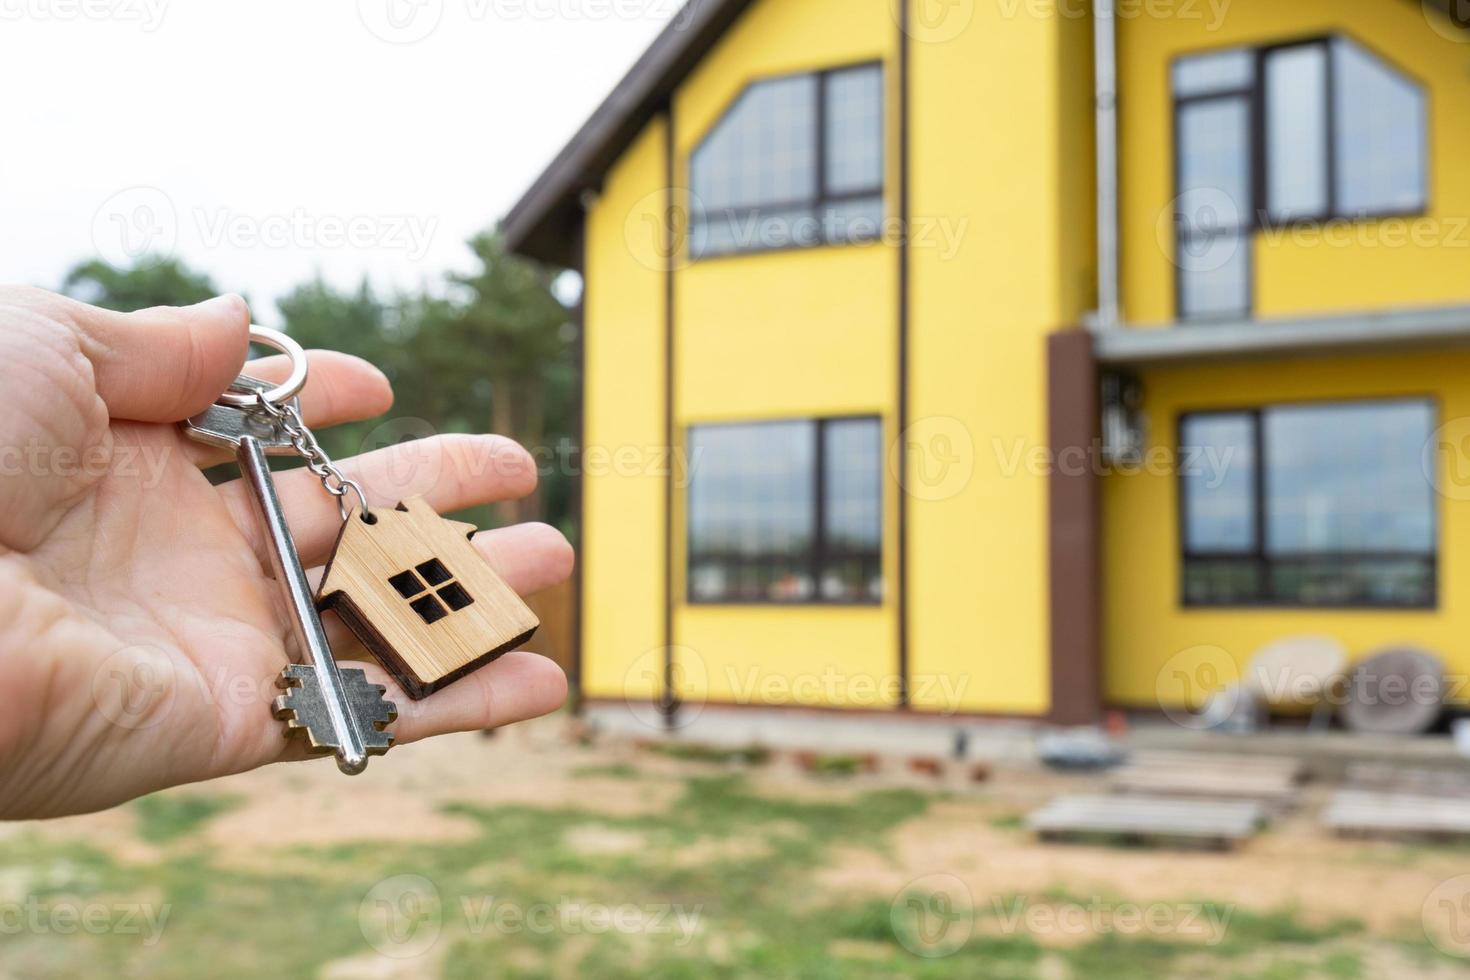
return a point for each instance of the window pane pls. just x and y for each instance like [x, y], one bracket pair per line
[854, 127]
[1348, 478]
[763, 152]
[754, 229]
[1214, 276]
[1380, 135]
[1296, 131]
[1353, 581]
[1207, 74]
[853, 510]
[750, 511]
[1217, 478]
[857, 220]
[1214, 166]
[1222, 581]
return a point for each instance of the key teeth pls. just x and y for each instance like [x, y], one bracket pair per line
[303, 698]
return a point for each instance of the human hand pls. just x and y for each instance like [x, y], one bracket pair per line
[140, 631]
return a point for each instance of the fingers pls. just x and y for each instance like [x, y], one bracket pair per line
[339, 388]
[514, 688]
[530, 557]
[162, 364]
[451, 472]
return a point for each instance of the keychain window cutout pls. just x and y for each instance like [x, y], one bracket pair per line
[430, 609]
[434, 572]
[376, 574]
[407, 584]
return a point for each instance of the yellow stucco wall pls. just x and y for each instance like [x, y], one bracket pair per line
[1149, 637]
[1150, 640]
[786, 335]
[814, 333]
[622, 630]
[1002, 203]
[988, 106]
[1357, 266]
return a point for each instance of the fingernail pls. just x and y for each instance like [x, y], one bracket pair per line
[230, 306]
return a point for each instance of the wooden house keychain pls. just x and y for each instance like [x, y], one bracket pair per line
[407, 582]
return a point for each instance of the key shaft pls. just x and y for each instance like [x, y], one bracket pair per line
[352, 755]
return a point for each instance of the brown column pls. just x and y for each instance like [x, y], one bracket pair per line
[1074, 518]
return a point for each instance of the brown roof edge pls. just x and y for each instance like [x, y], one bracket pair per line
[542, 223]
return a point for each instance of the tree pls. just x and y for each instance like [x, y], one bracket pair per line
[151, 281]
[493, 352]
[507, 310]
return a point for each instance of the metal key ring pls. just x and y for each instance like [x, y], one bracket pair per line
[287, 389]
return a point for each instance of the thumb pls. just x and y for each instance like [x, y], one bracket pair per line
[166, 363]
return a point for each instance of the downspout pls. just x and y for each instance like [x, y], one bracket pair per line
[1109, 312]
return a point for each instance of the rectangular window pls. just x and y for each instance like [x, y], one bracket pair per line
[786, 512]
[1212, 217]
[1306, 131]
[1309, 505]
[1296, 132]
[796, 161]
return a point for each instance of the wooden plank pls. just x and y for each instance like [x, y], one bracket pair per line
[1354, 811]
[1396, 779]
[1160, 817]
[1276, 787]
[1292, 767]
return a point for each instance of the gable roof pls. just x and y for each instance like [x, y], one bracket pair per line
[543, 223]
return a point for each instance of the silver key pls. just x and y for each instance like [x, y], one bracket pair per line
[338, 709]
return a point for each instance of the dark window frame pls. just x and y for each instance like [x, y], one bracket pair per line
[1258, 556]
[824, 198]
[820, 554]
[1259, 217]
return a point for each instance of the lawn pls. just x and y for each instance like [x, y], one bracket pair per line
[526, 856]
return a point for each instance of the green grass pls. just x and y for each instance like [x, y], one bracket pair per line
[743, 867]
[164, 817]
[617, 770]
[749, 755]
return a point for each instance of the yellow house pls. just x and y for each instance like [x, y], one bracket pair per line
[1017, 357]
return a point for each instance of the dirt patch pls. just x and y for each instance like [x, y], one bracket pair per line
[1293, 866]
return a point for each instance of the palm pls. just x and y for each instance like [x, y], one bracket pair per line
[146, 634]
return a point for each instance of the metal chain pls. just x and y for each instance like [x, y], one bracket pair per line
[317, 460]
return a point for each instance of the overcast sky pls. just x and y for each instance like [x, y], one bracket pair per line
[263, 140]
